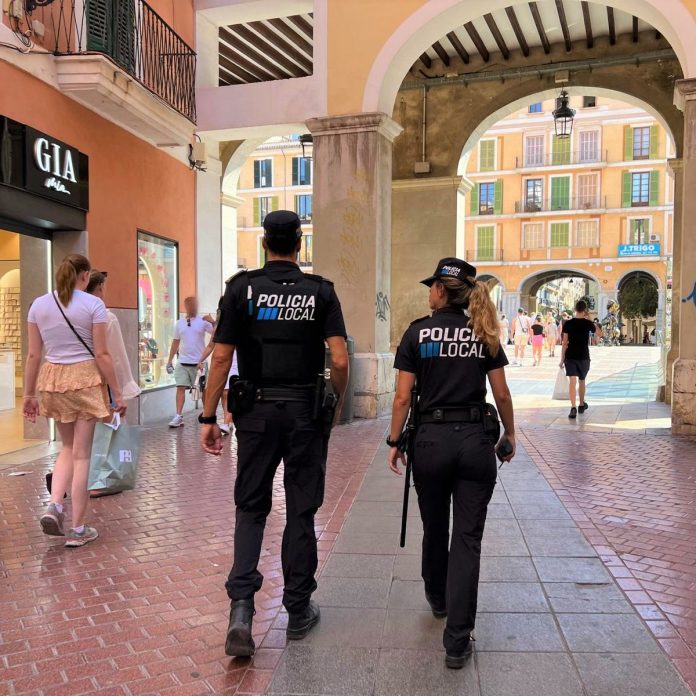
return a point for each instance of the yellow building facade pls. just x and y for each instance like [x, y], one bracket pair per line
[596, 206]
[275, 177]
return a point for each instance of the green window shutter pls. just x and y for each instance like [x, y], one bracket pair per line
[654, 142]
[628, 143]
[124, 39]
[485, 238]
[297, 204]
[257, 212]
[498, 197]
[257, 174]
[487, 155]
[626, 190]
[560, 153]
[560, 193]
[654, 194]
[295, 171]
[560, 234]
[99, 20]
[474, 200]
[275, 202]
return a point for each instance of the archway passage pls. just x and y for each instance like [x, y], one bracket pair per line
[640, 312]
[558, 290]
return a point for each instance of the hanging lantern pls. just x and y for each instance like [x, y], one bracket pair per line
[307, 143]
[563, 116]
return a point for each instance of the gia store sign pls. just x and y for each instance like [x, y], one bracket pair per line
[42, 165]
[55, 169]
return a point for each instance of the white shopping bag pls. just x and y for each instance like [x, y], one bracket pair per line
[560, 389]
[114, 461]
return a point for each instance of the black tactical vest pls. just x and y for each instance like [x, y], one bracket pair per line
[286, 331]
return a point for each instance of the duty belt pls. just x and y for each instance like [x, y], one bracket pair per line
[468, 414]
[300, 394]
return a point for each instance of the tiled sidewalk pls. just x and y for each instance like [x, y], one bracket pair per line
[551, 619]
[143, 609]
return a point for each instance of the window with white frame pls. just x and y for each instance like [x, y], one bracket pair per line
[587, 233]
[639, 230]
[263, 173]
[533, 235]
[588, 190]
[589, 146]
[534, 150]
[560, 234]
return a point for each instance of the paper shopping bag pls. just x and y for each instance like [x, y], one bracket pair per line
[114, 461]
[560, 389]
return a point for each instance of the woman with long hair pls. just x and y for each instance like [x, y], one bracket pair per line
[537, 339]
[551, 328]
[446, 357]
[70, 387]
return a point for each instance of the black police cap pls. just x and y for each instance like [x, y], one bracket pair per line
[451, 267]
[283, 224]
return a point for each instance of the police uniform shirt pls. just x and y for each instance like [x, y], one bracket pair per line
[318, 314]
[449, 361]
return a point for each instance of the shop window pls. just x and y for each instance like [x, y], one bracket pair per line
[560, 234]
[303, 207]
[305, 259]
[533, 236]
[301, 171]
[158, 303]
[587, 233]
[263, 173]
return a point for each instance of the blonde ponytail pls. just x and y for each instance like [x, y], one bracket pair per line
[66, 276]
[473, 295]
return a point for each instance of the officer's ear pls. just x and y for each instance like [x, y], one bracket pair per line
[298, 246]
[263, 243]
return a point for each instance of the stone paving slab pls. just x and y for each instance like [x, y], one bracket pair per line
[551, 619]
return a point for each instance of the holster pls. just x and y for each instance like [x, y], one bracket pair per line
[491, 423]
[325, 404]
[240, 396]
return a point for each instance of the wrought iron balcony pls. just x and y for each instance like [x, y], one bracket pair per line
[484, 254]
[560, 159]
[539, 205]
[133, 36]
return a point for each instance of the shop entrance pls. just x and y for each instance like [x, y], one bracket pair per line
[25, 274]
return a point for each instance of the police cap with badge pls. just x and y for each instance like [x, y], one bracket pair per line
[452, 267]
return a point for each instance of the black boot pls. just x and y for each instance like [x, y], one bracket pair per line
[301, 623]
[239, 642]
[437, 605]
[456, 659]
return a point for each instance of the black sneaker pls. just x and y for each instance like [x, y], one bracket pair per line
[583, 407]
[302, 622]
[437, 605]
[457, 660]
[239, 642]
[573, 413]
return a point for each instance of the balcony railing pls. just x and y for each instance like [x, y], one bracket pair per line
[484, 255]
[539, 205]
[133, 36]
[559, 159]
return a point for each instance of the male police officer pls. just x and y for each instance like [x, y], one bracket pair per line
[277, 319]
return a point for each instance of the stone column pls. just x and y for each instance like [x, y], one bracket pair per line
[424, 223]
[511, 303]
[676, 168]
[684, 369]
[230, 204]
[352, 240]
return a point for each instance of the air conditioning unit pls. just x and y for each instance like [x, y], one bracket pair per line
[654, 237]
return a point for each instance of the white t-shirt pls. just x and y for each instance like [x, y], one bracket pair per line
[522, 324]
[60, 343]
[192, 338]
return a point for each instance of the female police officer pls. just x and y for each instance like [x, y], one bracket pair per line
[447, 356]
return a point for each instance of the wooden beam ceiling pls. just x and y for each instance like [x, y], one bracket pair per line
[588, 23]
[519, 34]
[560, 9]
[540, 27]
[612, 25]
[458, 46]
[478, 41]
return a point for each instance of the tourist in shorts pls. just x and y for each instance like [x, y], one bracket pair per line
[189, 344]
[521, 326]
[537, 340]
[71, 387]
[575, 355]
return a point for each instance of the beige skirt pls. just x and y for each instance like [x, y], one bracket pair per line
[72, 392]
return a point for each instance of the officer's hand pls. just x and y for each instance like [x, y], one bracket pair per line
[211, 439]
[396, 455]
[506, 438]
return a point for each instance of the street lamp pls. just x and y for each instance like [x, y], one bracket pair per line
[563, 116]
[307, 143]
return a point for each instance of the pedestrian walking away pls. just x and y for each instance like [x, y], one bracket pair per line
[69, 327]
[538, 335]
[189, 344]
[447, 357]
[575, 355]
[551, 329]
[277, 321]
[521, 327]
[504, 330]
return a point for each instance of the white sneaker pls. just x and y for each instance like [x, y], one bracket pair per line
[224, 428]
[176, 422]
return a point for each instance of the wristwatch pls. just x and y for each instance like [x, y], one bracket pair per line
[207, 420]
[392, 443]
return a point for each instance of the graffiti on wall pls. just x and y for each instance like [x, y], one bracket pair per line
[691, 297]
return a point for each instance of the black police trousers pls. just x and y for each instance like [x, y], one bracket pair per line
[454, 463]
[270, 433]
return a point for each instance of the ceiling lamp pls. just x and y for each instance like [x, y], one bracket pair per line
[563, 116]
[307, 143]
